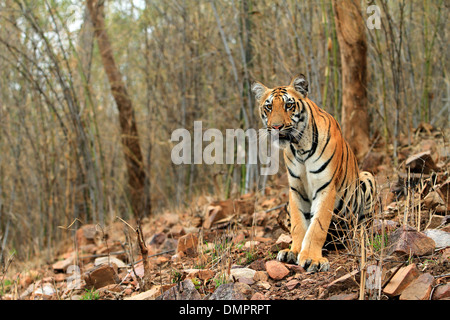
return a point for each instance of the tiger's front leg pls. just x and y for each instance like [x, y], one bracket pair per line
[310, 256]
[299, 226]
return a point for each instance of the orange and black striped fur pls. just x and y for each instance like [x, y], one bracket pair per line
[323, 173]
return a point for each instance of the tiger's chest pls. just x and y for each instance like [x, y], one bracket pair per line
[302, 178]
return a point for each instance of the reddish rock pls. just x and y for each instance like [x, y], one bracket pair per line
[101, 276]
[188, 245]
[276, 270]
[292, 284]
[401, 280]
[419, 289]
[258, 296]
[62, 265]
[441, 292]
[406, 241]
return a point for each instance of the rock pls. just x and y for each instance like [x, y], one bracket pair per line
[433, 200]
[258, 265]
[258, 296]
[62, 265]
[388, 225]
[217, 211]
[45, 292]
[87, 234]
[406, 241]
[244, 206]
[276, 269]
[157, 239]
[171, 219]
[169, 244]
[244, 289]
[401, 280]
[283, 242]
[227, 291]
[147, 295]
[101, 276]
[344, 296]
[106, 260]
[295, 268]
[251, 244]
[261, 276]
[239, 238]
[176, 231]
[188, 245]
[346, 280]
[419, 289]
[421, 163]
[435, 221]
[184, 290]
[202, 274]
[441, 292]
[440, 237]
[242, 275]
[292, 284]
[263, 285]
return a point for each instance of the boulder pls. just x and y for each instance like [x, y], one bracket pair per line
[406, 241]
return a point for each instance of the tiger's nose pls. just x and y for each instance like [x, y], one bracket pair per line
[277, 127]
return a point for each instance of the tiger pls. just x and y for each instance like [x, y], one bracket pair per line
[324, 179]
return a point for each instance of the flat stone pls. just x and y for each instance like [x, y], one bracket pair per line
[440, 237]
[401, 280]
[419, 289]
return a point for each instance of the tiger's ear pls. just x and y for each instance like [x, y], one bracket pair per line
[258, 90]
[300, 84]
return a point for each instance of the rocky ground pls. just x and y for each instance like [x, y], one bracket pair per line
[227, 249]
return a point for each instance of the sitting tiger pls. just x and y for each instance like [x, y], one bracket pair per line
[323, 174]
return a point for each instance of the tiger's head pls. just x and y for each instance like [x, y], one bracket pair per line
[282, 109]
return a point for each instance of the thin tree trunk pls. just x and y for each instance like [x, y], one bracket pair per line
[353, 47]
[128, 127]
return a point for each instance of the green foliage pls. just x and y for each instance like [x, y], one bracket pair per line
[90, 294]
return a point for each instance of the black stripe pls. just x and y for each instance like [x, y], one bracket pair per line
[326, 143]
[307, 215]
[301, 196]
[314, 133]
[293, 175]
[324, 185]
[325, 164]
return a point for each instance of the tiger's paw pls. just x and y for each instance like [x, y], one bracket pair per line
[287, 256]
[313, 263]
